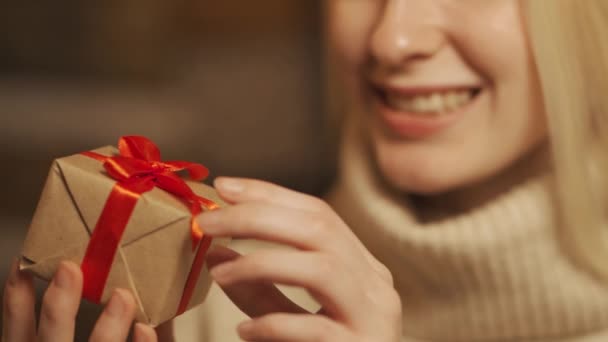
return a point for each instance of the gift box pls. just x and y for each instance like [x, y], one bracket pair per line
[128, 219]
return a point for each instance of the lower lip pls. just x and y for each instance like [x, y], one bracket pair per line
[415, 126]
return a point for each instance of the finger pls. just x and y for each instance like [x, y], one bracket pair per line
[60, 304]
[293, 328]
[115, 321]
[164, 332]
[219, 254]
[241, 190]
[263, 221]
[327, 280]
[145, 333]
[253, 298]
[18, 316]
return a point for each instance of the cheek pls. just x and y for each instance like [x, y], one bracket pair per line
[489, 36]
[349, 26]
[516, 119]
[418, 169]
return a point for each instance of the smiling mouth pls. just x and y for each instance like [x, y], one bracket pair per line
[427, 102]
[422, 112]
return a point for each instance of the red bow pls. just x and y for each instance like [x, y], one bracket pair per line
[139, 168]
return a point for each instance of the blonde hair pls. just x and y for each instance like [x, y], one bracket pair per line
[569, 42]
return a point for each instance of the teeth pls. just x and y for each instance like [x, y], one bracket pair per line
[452, 101]
[435, 103]
[422, 104]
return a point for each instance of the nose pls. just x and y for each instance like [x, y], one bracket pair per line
[407, 30]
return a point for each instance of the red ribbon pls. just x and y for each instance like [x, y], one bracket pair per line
[138, 169]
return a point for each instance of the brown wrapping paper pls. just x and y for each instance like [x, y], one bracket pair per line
[155, 253]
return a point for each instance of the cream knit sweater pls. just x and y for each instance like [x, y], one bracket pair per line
[494, 274]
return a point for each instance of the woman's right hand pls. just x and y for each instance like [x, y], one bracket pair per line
[59, 307]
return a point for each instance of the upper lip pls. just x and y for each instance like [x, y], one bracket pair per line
[411, 87]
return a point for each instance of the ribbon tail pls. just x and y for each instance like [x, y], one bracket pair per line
[206, 203]
[105, 241]
[197, 172]
[193, 276]
[196, 233]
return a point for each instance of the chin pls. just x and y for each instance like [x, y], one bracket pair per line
[427, 174]
[418, 181]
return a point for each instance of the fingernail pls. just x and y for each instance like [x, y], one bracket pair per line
[229, 185]
[62, 277]
[116, 306]
[245, 328]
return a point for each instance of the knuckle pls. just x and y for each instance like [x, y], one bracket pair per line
[318, 204]
[236, 219]
[17, 301]
[383, 297]
[55, 309]
[318, 226]
[393, 304]
[51, 313]
[8, 297]
[385, 273]
[254, 262]
[11, 304]
[326, 267]
[325, 331]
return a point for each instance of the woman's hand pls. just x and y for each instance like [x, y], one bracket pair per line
[59, 307]
[355, 290]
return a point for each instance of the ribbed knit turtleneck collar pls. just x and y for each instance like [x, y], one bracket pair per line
[496, 273]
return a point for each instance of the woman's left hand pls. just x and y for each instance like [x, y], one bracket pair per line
[354, 289]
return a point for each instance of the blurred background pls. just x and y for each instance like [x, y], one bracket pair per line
[236, 85]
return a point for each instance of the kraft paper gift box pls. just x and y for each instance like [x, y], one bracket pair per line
[155, 258]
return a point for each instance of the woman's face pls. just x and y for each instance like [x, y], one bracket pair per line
[448, 88]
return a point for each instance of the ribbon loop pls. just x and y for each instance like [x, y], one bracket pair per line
[196, 172]
[139, 165]
[139, 148]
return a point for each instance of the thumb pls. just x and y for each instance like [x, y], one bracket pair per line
[253, 298]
